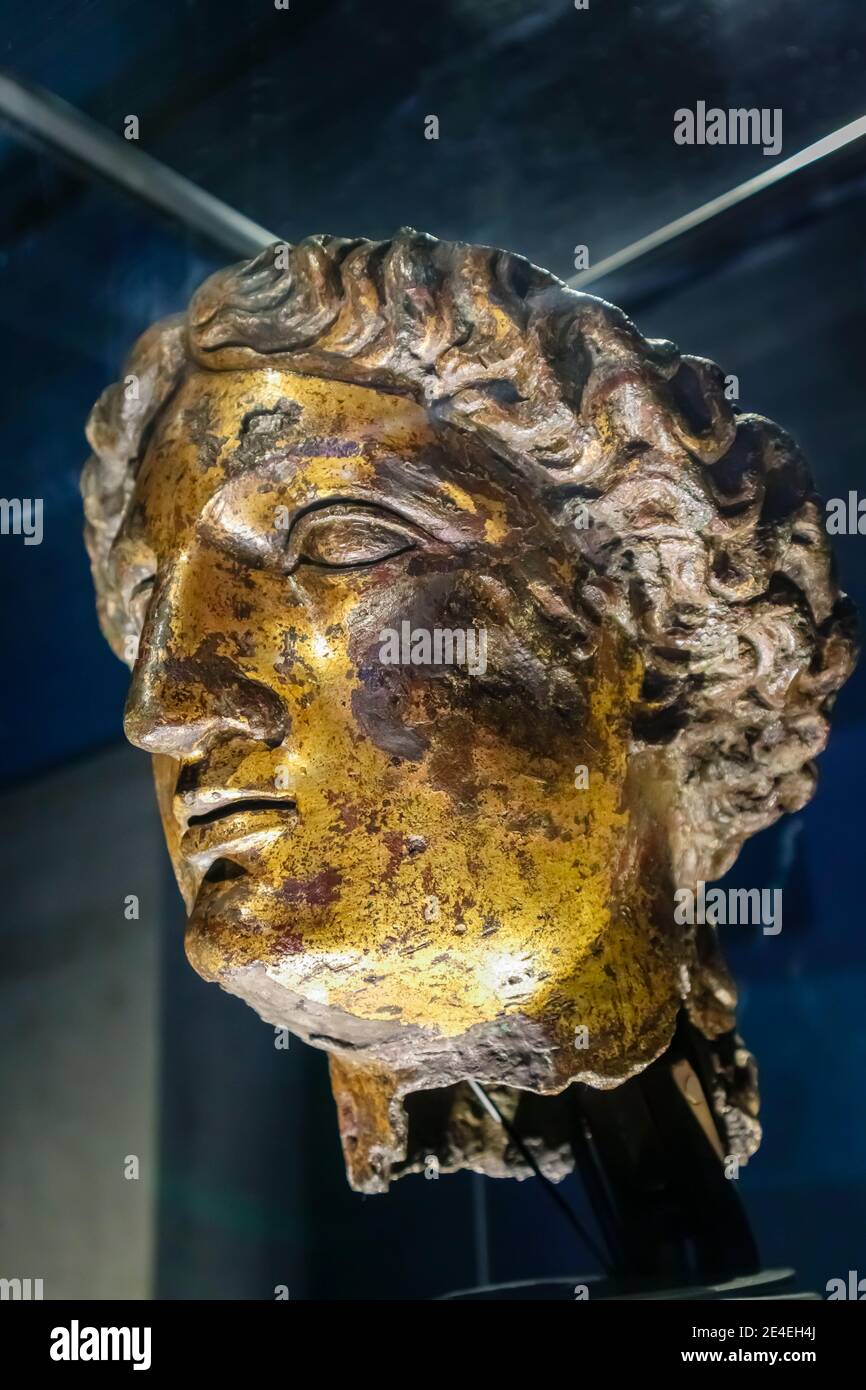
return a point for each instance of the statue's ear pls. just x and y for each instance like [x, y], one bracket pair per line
[712, 999]
[733, 1083]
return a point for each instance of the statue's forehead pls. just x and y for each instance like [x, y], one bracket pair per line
[274, 426]
[256, 438]
[237, 403]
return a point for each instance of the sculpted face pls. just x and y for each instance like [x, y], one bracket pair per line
[467, 626]
[398, 854]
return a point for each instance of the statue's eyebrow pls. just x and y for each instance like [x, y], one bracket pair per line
[429, 509]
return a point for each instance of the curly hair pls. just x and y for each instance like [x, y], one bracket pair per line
[706, 542]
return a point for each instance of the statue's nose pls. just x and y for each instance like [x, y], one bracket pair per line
[184, 695]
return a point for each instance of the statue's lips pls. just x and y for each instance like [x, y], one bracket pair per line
[235, 831]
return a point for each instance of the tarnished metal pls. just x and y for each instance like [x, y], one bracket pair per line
[449, 858]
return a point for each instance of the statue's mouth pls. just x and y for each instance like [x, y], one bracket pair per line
[233, 808]
[235, 833]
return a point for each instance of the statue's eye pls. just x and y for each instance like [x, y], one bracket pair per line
[342, 537]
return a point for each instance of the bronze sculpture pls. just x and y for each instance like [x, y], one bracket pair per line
[467, 628]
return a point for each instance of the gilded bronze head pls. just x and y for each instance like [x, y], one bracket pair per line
[466, 626]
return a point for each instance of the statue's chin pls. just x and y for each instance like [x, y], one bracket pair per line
[539, 1054]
